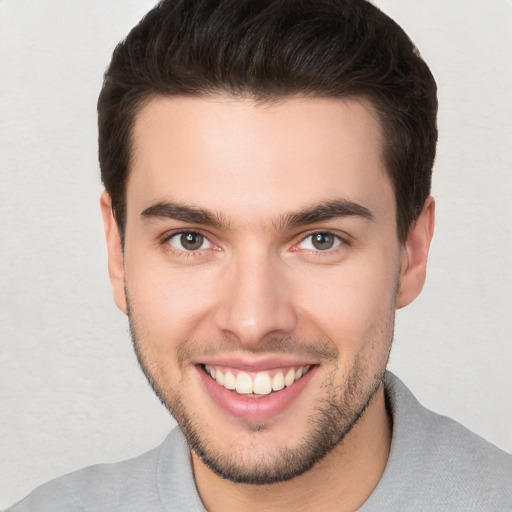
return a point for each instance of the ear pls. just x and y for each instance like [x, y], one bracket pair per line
[115, 252]
[414, 255]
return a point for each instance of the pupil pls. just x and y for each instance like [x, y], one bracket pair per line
[191, 241]
[323, 241]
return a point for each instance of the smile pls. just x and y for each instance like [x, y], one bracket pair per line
[256, 384]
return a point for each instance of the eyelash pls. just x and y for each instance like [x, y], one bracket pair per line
[340, 241]
[165, 241]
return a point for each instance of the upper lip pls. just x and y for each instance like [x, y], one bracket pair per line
[256, 364]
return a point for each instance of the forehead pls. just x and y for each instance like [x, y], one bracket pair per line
[239, 157]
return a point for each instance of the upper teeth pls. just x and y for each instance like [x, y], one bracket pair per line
[260, 383]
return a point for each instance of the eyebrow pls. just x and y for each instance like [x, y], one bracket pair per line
[185, 213]
[328, 211]
[318, 213]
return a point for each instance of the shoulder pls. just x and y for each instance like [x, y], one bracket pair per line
[447, 440]
[120, 486]
[437, 464]
[465, 465]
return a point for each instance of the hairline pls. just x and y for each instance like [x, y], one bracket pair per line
[363, 98]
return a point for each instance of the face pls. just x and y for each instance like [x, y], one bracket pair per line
[260, 272]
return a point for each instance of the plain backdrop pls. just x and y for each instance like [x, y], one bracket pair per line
[71, 393]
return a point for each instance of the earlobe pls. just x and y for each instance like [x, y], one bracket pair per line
[115, 252]
[414, 255]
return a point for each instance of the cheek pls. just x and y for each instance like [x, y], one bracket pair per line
[168, 305]
[350, 304]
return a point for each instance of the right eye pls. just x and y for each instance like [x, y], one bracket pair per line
[189, 241]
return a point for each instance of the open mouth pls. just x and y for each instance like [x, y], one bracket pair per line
[255, 384]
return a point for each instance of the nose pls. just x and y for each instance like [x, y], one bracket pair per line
[255, 302]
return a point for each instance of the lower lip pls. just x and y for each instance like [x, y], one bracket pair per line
[254, 409]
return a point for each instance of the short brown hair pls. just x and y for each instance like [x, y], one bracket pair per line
[272, 49]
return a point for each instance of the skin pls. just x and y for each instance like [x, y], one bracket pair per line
[258, 288]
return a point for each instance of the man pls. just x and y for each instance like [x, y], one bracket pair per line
[267, 171]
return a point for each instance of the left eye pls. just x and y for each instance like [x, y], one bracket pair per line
[320, 242]
[189, 241]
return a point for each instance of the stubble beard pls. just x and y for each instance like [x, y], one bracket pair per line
[333, 418]
[331, 421]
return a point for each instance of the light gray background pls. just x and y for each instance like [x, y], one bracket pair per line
[71, 393]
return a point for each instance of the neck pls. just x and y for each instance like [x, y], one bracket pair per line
[342, 481]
